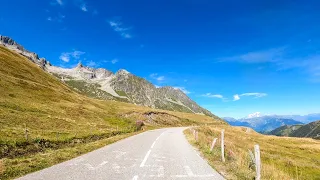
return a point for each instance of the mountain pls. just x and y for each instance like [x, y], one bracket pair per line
[285, 130]
[261, 123]
[120, 86]
[309, 130]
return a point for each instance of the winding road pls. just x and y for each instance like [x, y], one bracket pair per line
[156, 154]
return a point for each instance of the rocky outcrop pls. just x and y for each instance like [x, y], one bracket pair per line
[13, 45]
[123, 86]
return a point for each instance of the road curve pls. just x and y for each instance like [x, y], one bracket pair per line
[156, 154]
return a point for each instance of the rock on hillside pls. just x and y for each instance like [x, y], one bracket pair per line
[120, 86]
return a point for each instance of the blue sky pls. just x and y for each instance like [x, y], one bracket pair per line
[231, 57]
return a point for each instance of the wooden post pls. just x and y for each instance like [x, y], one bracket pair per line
[213, 143]
[117, 128]
[258, 162]
[222, 146]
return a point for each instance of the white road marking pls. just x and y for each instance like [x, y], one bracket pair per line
[116, 168]
[153, 144]
[145, 158]
[103, 163]
[188, 170]
[135, 177]
[148, 153]
[89, 166]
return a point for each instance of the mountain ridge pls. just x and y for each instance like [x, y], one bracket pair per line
[308, 130]
[120, 86]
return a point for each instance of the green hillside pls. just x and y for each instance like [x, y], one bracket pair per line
[285, 130]
[43, 121]
[309, 130]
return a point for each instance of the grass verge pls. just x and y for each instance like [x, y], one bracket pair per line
[282, 157]
[12, 168]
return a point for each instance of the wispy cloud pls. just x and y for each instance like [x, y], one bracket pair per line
[58, 18]
[236, 97]
[67, 56]
[157, 77]
[117, 26]
[91, 64]
[281, 58]
[270, 55]
[60, 2]
[113, 61]
[209, 95]
[84, 8]
[183, 89]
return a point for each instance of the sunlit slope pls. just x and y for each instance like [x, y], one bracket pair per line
[32, 98]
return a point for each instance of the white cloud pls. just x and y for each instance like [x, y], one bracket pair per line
[59, 18]
[270, 55]
[91, 64]
[60, 2]
[157, 77]
[160, 78]
[183, 89]
[282, 59]
[113, 61]
[66, 56]
[84, 7]
[118, 27]
[257, 95]
[236, 97]
[213, 95]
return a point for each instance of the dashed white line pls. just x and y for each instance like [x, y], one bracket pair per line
[153, 144]
[103, 163]
[188, 170]
[145, 158]
[135, 177]
[148, 153]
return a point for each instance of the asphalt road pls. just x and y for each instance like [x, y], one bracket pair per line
[156, 154]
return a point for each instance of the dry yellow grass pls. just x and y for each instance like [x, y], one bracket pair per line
[282, 157]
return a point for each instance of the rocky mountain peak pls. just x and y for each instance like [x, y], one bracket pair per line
[13, 45]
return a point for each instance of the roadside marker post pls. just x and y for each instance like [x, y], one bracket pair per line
[222, 146]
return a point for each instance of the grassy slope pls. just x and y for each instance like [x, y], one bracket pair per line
[57, 117]
[282, 157]
[309, 130]
[285, 130]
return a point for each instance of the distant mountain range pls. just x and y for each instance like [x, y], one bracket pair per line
[266, 123]
[309, 130]
[120, 86]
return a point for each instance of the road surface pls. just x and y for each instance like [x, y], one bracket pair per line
[156, 154]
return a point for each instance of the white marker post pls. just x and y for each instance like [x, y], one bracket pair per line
[222, 146]
[258, 162]
[213, 143]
